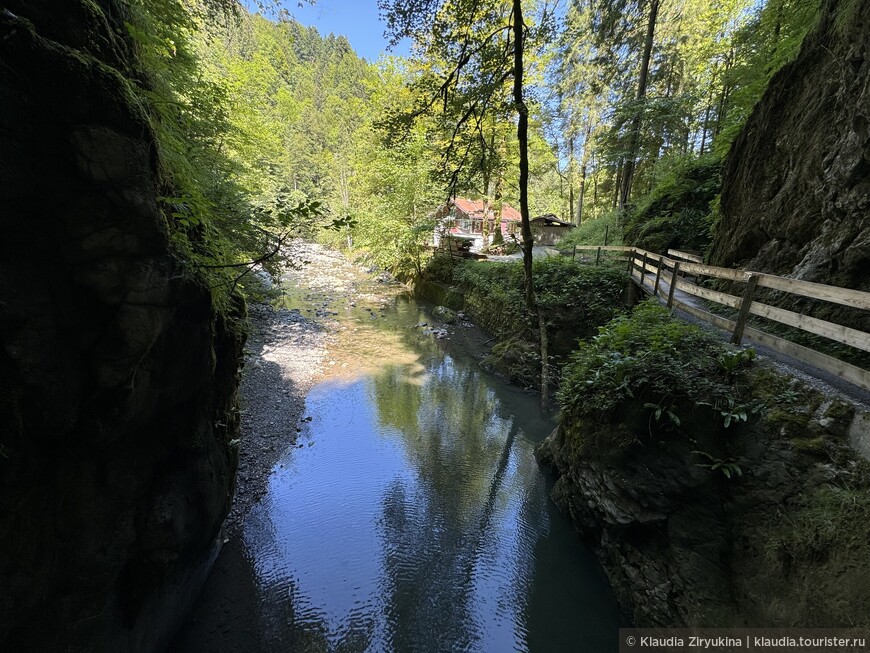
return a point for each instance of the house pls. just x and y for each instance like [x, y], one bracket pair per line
[547, 229]
[463, 219]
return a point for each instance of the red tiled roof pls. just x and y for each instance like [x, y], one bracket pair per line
[474, 208]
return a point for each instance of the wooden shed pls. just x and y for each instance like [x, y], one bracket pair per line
[547, 229]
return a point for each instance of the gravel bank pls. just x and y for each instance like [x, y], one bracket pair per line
[288, 352]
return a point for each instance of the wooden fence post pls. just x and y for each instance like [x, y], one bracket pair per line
[673, 284]
[737, 336]
[631, 263]
[597, 256]
[643, 270]
[658, 276]
[574, 253]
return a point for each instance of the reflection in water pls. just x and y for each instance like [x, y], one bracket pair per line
[413, 517]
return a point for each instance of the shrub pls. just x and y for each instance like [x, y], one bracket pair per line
[677, 213]
[651, 373]
[440, 269]
[575, 299]
[592, 232]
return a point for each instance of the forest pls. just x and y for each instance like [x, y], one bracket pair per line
[269, 127]
[260, 393]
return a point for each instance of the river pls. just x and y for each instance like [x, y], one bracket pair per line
[408, 515]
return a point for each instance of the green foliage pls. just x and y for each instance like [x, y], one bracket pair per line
[728, 467]
[677, 213]
[654, 370]
[440, 269]
[518, 359]
[574, 299]
[218, 218]
[833, 518]
[592, 232]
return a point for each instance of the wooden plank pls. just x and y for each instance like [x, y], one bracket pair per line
[673, 284]
[745, 306]
[841, 369]
[836, 332]
[705, 293]
[658, 277]
[606, 248]
[719, 273]
[643, 252]
[845, 296]
[694, 258]
[649, 266]
[716, 320]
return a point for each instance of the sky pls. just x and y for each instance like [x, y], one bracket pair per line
[358, 20]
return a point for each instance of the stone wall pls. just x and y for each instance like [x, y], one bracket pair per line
[117, 374]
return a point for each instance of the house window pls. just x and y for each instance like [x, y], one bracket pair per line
[477, 227]
[465, 225]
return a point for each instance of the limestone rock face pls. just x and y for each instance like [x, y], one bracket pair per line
[117, 374]
[796, 188]
[687, 546]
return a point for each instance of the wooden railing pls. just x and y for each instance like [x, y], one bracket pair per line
[654, 272]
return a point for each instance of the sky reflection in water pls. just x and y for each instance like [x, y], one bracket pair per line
[412, 515]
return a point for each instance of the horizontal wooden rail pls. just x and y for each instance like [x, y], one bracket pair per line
[642, 263]
[686, 256]
[731, 301]
[712, 271]
[851, 373]
[835, 332]
[835, 294]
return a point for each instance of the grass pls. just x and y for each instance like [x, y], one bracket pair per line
[833, 516]
[592, 232]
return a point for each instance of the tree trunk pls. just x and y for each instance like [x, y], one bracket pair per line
[634, 137]
[594, 183]
[617, 184]
[706, 124]
[484, 226]
[570, 177]
[523, 139]
[584, 160]
[704, 130]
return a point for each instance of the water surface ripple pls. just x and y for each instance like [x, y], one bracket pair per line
[411, 514]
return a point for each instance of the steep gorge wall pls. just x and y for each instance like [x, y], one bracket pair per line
[782, 544]
[117, 374]
[796, 188]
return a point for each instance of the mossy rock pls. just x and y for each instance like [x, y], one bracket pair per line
[789, 422]
[817, 446]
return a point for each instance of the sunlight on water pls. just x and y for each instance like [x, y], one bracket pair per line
[411, 514]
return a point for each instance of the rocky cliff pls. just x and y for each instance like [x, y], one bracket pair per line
[715, 490]
[117, 374]
[781, 540]
[796, 187]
